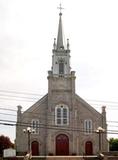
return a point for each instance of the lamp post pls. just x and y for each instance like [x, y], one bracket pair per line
[100, 130]
[29, 130]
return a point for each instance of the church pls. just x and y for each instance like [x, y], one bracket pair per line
[61, 122]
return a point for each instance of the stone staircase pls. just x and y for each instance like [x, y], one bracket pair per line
[63, 158]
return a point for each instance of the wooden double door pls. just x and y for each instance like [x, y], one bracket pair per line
[62, 144]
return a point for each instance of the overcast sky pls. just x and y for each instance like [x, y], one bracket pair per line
[27, 30]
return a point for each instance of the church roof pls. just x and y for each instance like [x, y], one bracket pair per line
[44, 99]
[86, 105]
[37, 104]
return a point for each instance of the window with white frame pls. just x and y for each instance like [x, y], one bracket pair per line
[61, 115]
[35, 126]
[88, 126]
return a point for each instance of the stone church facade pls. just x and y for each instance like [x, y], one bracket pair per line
[63, 123]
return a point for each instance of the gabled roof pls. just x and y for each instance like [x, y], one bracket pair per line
[87, 106]
[37, 104]
[45, 99]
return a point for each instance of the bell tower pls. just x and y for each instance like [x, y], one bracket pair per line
[61, 52]
[61, 77]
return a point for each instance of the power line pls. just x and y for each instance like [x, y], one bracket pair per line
[8, 114]
[107, 106]
[4, 108]
[112, 126]
[114, 102]
[41, 125]
[42, 115]
[19, 92]
[3, 95]
[36, 99]
[13, 123]
[14, 110]
[113, 121]
[17, 99]
[35, 94]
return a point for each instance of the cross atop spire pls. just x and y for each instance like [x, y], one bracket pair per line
[60, 37]
[60, 8]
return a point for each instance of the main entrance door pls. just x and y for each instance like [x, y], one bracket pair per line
[62, 145]
[88, 148]
[35, 148]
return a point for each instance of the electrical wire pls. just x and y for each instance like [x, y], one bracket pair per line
[19, 92]
[15, 96]
[31, 114]
[39, 95]
[24, 124]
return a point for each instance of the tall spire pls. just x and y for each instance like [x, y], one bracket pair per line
[60, 37]
[61, 52]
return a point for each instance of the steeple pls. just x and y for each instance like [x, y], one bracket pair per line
[61, 52]
[60, 78]
[60, 36]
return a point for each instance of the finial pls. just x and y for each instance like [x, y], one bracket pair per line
[54, 45]
[68, 44]
[60, 9]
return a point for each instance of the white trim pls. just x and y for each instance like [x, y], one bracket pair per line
[62, 107]
[88, 126]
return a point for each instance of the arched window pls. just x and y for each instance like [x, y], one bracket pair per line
[35, 126]
[88, 126]
[61, 66]
[58, 115]
[61, 115]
